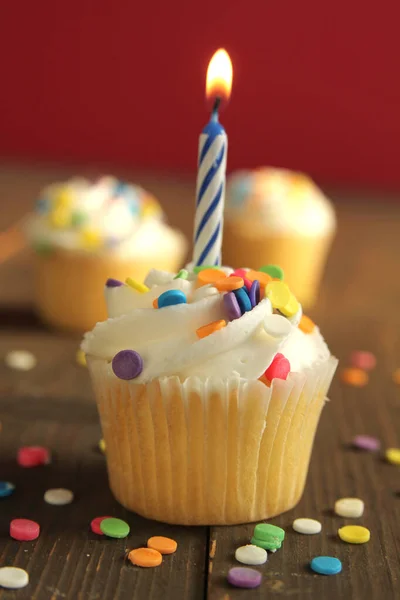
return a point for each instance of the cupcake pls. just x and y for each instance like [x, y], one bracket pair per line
[84, 232]
[209, 384]
[279, 216]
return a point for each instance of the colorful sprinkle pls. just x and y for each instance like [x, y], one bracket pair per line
[363, 360]
[354, 377]
[254, 293]
[60, 218]
[247, 283]
[102, 446]
[78, 218]
[210, 276]
[354, 534]
[240, 273]
[282, 298]
[207, 330]
[366, 442]
[277, 326]
[307, 526]
[183, 274]
[251, 555]
[229, 284]
[115, 528]
[349, 507]
[136, 285]
[326, 565]
[58, 496]
[24, 530]
[13, 578]
[80, 358]
[127, 364]
[306, 325]
[263, 278]
[111, 283]
[163, 545]
[6, 489]
[90, 239]
[243, 577]
[266, 531]
[278, 369]
[33, 456]
[273, 271]
[232, 306]
[21, 360]
[95, 525]
[243, 300]
[145, 557]
[392, 455]
[170, 298]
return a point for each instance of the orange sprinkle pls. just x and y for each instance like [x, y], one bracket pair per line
[229, 283]
[263, 278]
[306, 324]
[162, 544]
[155, 303]
[396, 376]
[355, 377]
[206, 330]
[210, 276]
[145, 557]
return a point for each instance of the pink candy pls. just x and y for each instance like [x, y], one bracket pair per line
[33, 456]
[363, 360]
[366, 442]
[278, 369]
[24, 530]
[95, 525]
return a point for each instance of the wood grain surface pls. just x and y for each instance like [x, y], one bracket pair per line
[53, 405]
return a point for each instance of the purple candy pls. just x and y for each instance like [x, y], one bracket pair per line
[244, 577]
[232, 306]
[127, 364]
[366, 442]
[113, 282]
[254, 293]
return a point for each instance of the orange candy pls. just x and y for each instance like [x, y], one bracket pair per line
[354, 377]
[155, 303]
[162, 544]
[229, 284]
[210, 276]
[145, 557]
[206, 330]
[306, 324]
[263, 278]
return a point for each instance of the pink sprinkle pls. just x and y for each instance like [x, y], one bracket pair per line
[95, 525]
[33, 456]
[24, 530]
[239, 273]
[247, 283]
[278, 369]
[366, 442]
[363, 360]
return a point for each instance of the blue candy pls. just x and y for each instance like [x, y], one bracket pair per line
[171, 297]
[6, 489]
[42, 205]
[326, 565]
[243, 300]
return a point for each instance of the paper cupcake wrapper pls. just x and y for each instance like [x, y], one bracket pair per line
[209, 451]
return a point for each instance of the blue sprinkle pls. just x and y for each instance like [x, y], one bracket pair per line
[240, 190]
[243, 300]
[42, 205]
[326, 565]
[6, 489]
[170, 298]
[120, 188]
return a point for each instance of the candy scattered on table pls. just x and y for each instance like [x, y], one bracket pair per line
[102, 446]
[21, 360]
[267, 536]
[115, 528]
[278, 369]
[396, 376]
[163, 545]
[81, 358]
[58, 496]
[210, 328]
[274, 271]
[354, 377]
[170, 298]
[251, 555]
[127, 364]
[244, 577]
[111, 283]
[349, 507]
[95, 524]
[33, 456]
[363, 360]
[145, 557]
[354, 534]
[392, 455]
[24, 530]
[6, 489]
[136, 285]
[307, 526]
[366, 442]
[326, 565]
[13, 578]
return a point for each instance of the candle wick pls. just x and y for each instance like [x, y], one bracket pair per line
[216, 106]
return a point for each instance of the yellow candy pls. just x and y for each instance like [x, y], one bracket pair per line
[392, 455]
[90, 238]
[282, 298]
[354, 534]
[136, 285]
[81, 358]
[60, 217]
[63, 199]
[151, 208]
[102, 446]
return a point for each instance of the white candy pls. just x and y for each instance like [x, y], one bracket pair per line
[307, 526]
[205, 291]
[13, 578]
[251, 555]
[277, 326]
[22, 360]
[58, 496]
[349, 507]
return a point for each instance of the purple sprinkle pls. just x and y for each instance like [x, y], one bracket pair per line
[113, 282]
[127, 364]
[244, 577]
[366, 442]
[254, 293]
[232, 306]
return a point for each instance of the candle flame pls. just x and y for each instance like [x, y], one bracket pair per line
[219, 76]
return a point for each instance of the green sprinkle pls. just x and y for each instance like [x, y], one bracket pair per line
[266, 531]
[204, 267]
[78, 218]
[272, 544]
[183, 274]
[42, 247]
[115, 528]
[273, 270]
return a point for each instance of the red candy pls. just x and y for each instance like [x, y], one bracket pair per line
[33, 456]
[24, 530]
[239, 273]
[363, 360]
[95, 525]
[278, 369]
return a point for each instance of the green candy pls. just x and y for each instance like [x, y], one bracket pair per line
[78, 218]
[115, 528]
[266, 531]
[271, 545]
[203, 267]
[183, 274]
[43, 248]
[274, 271]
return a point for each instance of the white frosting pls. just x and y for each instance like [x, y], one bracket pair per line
[166, 338]
[271, 200]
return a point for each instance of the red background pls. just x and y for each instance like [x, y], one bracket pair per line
[316, 83]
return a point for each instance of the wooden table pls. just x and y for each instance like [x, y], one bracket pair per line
[52, 405]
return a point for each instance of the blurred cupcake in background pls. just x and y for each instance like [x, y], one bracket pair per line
[279, 216]
[83, 233]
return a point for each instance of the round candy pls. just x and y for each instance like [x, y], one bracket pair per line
[183, 274]
[349, 507]
[247, 283]
[13, 578]
[33, 456]
[273, 271]
[136, 285]
[363, 360]
[243, 300]
[200, 268]
[58, 496]
[232, 306]
[210, 328]
[266, 531]
[170, 298]
[306, 325]
[163, 545]
[244, 578]
[111, 283]
[326, 565]
[95, 525]
[273, 544]
[240, 273]
[277, 326]
[307, 526]
[254, 293]
[210, 276]
[24, 530]
[354, 534]
[145, 557]
[251, 555]
[127, 364]
[229, 284]
[263, 278]
[278, 369]
[392, 455]
[115, 528]
[6, 489]
[282, 298]
[80, 358]
[366, 442]
[102, 446]
[21, 360]
[354, 377]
